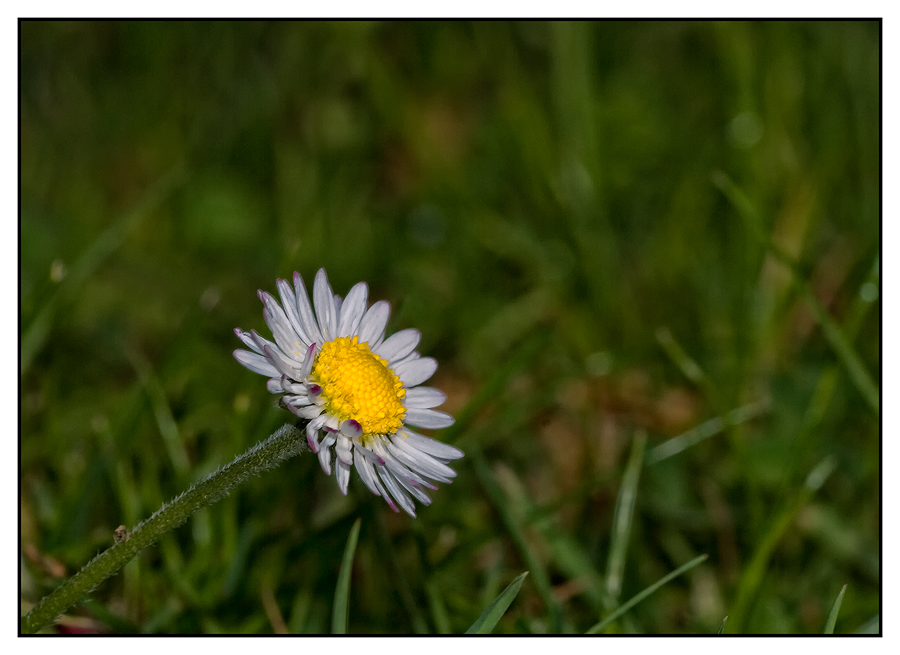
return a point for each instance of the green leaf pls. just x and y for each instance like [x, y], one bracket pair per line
[832, 617]
[721, 630]
[756, 569]
[342, 592]
[485, 623]
[615, 567]
[870, 627]
[646, 592]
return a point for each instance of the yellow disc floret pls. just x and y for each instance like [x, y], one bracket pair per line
[357, 384]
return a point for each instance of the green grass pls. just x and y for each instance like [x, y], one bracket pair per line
[646, 256]
[485, 623]
[342, 592]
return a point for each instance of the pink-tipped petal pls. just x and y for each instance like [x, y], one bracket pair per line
[351, 428]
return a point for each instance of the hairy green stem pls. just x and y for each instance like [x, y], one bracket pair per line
[283, 444]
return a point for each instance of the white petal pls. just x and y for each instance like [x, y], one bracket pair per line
[401, 472]
[248, 341]
[371, 328]
[416, 371]
[329, 440]
[256, 363]
[287, 340]
[427, 418]
[312, 432]
[367, 474]
[396, 491]
[333, 423]
[283, 364]
[260, 342]
[297, 400]
[294, 387]
[399, 345]
[420, 462]
[325, 459]
[433, 447]
[342, 473]
[308, 412]
[375, 458]
[424, 397]
[401, 360]
[344, 450]
[351, 428]
[352, 310]
[323, 299]
[373, 481]
[307, 320]
[414, 490]
[308, 358]
[289, 303]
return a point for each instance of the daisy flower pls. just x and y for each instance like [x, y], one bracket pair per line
[359, 391]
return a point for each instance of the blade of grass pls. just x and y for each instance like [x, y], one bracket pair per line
[534, 563]
[485, 623]
[637, 598]
[841, 346]
[438, 609]
[686, 364]
[721, 630]
[705, 430]
[832, 616]
[753, 574]
[622, 520]
[870, 627]
[342, 592]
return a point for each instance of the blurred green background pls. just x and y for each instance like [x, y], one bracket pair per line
[575, 215]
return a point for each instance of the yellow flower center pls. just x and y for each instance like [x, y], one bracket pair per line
[357, 384]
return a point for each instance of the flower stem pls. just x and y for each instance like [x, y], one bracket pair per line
[283, 444]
